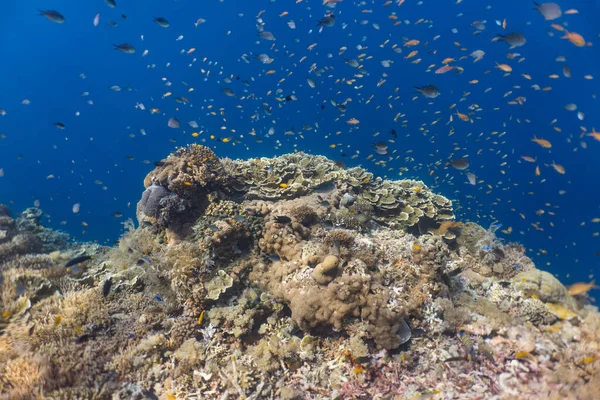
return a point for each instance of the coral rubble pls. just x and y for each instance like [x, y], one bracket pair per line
[286, 278]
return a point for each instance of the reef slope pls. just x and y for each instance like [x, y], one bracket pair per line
[286, 278]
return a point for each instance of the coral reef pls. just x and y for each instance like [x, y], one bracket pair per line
[286, 278]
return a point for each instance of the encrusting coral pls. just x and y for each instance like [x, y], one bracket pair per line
[287, 278]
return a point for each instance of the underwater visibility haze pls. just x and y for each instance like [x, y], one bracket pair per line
[473, 127]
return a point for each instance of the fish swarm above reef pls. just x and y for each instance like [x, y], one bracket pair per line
[286, 278]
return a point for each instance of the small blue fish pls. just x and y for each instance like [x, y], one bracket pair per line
[486, 248]
[158, 298]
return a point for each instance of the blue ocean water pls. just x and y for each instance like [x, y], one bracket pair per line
[101, 157]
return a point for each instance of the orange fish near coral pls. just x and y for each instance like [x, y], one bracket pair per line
[582, 287]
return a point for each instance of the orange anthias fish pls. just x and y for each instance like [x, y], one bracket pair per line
[594, 134]
[528, 159]
[462, 116]
[582, 287]
[574, 38]
[558, 168]
[444, 69]
[542, 142]
[504, 67]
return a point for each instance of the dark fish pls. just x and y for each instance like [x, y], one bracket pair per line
[123, 16]
[125, 48]
[514, 39]
[111, 3]
[150, 395]
[106, 287]
[274, 257]
[159, 163]
[140, 262]
[452, 359]
[111, 23]
[59, 125]
[326, 187]
[327, 224]
[460, 164]
[394, 134]
[83, 338]
[53, 16]
[77, 260]
[118, 214]
[328, 21]
[429, 91]
[162, 22]
[282, 219]
[454, 272]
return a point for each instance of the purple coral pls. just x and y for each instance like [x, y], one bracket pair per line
[151, 199]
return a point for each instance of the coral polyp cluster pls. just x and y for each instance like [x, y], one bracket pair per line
[287, 278]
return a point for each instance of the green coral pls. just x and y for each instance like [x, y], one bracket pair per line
[397, 203]
[218, 285]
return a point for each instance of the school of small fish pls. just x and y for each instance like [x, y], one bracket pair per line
[353, 60]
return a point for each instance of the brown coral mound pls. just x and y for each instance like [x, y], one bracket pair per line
[287, 278]
[188, 170]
